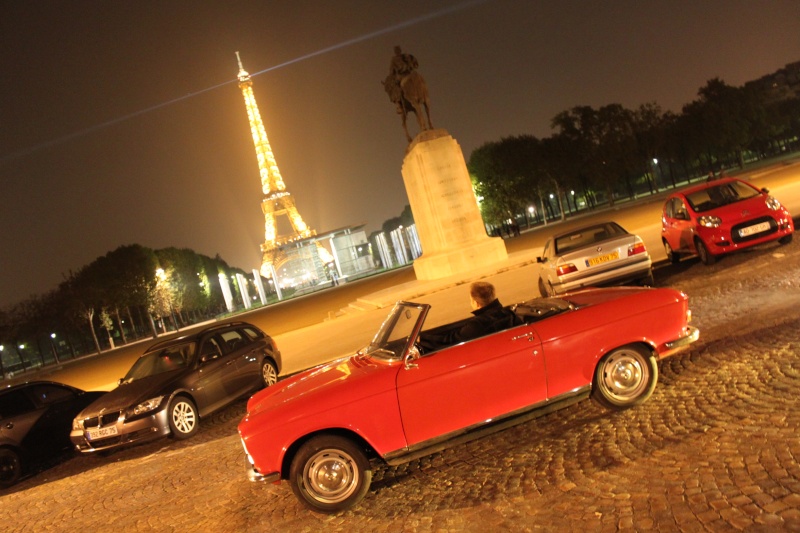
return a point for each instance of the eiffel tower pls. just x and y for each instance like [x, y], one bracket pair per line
[277, 201]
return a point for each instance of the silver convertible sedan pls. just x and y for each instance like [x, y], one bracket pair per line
[600, 254]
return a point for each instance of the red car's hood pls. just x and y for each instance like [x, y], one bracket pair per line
[754, 207]
[332, 380]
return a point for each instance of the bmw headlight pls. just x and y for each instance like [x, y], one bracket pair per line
[77, 424]
[709, 221]
[146, 406]
[773, 203]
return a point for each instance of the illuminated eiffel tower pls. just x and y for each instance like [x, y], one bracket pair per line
[277, 200]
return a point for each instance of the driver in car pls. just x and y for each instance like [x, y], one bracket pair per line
[489, 316]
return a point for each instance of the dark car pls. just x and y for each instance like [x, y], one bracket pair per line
[35, 418]
[719, 217]
[177, 382]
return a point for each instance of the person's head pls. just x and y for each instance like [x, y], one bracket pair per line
[481, 294]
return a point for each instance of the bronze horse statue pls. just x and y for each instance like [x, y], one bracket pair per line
[410, 94]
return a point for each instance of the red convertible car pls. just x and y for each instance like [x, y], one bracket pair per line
[396, 400]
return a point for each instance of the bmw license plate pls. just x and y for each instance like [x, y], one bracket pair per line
[101, 433]
[600, 259]
[752, 230]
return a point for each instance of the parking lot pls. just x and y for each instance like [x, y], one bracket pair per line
[715, 449]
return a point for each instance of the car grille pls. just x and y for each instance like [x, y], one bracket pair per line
[736, 239]
[103, 420]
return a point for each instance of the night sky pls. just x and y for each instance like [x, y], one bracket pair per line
[121, 121]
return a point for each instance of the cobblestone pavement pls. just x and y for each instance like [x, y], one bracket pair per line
[716, 448]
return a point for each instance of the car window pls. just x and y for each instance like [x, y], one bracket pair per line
[45, 394]
[165, 360]
[719, 195]
[234, 340]
[253, 333]
[587, 236]
[15, 403]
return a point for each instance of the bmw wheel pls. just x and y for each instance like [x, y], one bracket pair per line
[10, 467]
[183, 419]
[330, 474]
[625, 377]
[269, 374]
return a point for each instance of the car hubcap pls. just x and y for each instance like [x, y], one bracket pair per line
[331, 476]
[183, 417]
[624, 375]
[270, 376]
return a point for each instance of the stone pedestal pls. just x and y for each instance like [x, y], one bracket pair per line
[446, 214]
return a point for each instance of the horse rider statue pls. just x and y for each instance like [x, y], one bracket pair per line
[407, 90]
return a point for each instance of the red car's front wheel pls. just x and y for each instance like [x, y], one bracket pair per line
[625, 377]
[330, 474]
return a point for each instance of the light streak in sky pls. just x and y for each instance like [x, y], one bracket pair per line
[356, 40]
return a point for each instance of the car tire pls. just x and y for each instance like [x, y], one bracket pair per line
[330, 473]
[702, 251]
[786, 239]
[269, 373]
[184, 421]
[625, 377]
[672, 256]
[10, 467]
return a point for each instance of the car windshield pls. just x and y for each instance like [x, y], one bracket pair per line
[404, 320]
[587, 236]
[719, 195]
[168, 359]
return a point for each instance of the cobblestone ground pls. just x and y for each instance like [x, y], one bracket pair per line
[716, 448]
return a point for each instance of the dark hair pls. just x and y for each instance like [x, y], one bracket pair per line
[482, 292]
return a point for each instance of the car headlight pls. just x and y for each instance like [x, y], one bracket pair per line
[773, 203]
[146, 406]
[77, 424]
[709, 221]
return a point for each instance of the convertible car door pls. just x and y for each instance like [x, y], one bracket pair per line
[471, 383]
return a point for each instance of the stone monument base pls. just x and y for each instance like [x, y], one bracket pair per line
[446, 213]
[479, 254]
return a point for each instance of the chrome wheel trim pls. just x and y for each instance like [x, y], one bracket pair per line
[269, 374]
[331, 476]
[625, 375]
[183, 417]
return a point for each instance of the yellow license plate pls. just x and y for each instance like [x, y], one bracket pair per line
[600, 259]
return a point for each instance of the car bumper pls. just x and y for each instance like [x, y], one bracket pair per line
[690, 335]
[720, 241]
[639, 270]
[127, 432]
[257, 477]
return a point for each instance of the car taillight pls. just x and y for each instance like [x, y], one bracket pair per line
[566, 269]
[638, 248]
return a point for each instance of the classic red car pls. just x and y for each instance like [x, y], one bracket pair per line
[396, 401]
[719, 217]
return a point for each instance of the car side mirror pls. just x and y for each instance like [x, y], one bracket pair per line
[412, 355]
[540, 260]
[765, 190]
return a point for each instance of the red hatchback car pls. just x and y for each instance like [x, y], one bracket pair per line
[396, 400]
[722, 216]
